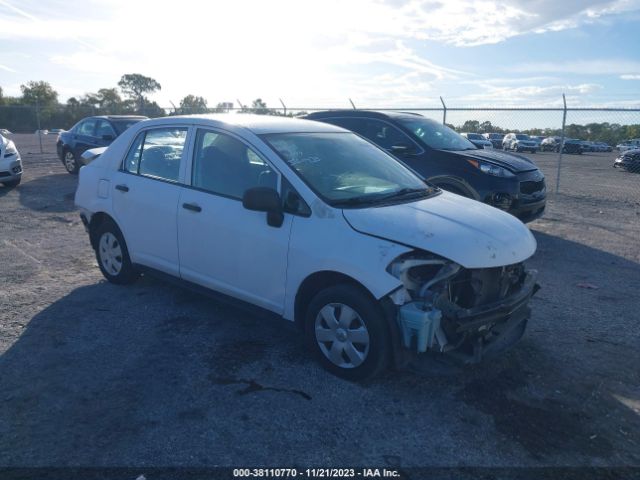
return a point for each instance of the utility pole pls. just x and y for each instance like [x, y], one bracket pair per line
[444, 111]
[39, 127]
[564, 122]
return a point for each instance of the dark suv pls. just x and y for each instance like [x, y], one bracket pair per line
[448, 160]
[91, 132]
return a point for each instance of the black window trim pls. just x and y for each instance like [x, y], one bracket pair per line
[113, 130]
[399, 128]
[90, 119]
[144, 131]
[254, 149]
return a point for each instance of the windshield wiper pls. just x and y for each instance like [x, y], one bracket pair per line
[402, 193]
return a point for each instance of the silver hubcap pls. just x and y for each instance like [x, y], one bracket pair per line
[69, 161]
[110, 253]
[342, 335]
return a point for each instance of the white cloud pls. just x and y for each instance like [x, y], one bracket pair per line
[478, 22]
[531, 95]
[328, 50]
[593, 66]
[630, 76]
[7, 69]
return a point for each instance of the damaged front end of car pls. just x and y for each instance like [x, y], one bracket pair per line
[466, 313]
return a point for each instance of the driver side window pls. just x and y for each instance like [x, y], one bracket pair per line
[226, 166]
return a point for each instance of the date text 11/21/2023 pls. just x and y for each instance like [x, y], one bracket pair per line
[315, 473]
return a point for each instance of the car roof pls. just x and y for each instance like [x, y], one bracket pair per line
[359, 113]
[258, 124]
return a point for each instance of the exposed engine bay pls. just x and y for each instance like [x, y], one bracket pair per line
[467, 313]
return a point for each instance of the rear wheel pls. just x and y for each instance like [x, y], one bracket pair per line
[70, 162]
[346, 329]
[112, 255]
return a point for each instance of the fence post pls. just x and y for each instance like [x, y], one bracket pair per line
[38, 122]
[444, 112]
[564, 122]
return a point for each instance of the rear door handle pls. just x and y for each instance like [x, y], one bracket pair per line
[192, 206]
[122, 188]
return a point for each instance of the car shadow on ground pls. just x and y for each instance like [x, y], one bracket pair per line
[4, 190]
[50, 193]
[152, 374]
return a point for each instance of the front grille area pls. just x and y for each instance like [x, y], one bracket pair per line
[530, 187]
[5, 174]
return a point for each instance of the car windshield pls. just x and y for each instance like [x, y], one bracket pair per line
[122, 125]
[496, 136]
[522, 136]
[436, 135]
[346, 170]
[474, 136]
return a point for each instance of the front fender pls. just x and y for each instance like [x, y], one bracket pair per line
[328, 243]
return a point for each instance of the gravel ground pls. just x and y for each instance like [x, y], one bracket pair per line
[93, 374]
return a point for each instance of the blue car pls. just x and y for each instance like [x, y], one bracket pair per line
[91, 132]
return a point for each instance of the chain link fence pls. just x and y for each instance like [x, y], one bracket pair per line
[587, 172]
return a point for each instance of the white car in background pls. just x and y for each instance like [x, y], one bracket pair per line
[10, 163]
[628, 145]
[314, 224]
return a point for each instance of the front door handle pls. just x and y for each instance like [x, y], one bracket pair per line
[192, 206]
[122, 188]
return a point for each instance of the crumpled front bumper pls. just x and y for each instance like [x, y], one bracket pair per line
[492, 328]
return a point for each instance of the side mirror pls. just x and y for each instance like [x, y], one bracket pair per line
[108, 137]
[265, 199]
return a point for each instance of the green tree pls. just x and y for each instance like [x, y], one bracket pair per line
[110, 100]
[39, 92]
[471, 126]
[224, 107]
[193, 104]
[135, 86]
[259, 107]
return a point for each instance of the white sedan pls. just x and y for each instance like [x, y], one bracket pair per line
[314, 224]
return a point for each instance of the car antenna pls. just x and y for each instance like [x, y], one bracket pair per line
[352, 104]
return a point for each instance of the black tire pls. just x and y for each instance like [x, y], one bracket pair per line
[12, 183]
[70, 162]
[456, 190]
[374, 357]
[109, 233]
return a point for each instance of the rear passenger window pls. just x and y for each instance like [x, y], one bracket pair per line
[87, 127]
[157, 153]
[226, 166]
[379, 132]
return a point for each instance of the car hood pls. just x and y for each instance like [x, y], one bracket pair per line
[515, 163]
[470, 233]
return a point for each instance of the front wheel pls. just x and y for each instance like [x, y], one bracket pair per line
[70, 162]
[112, 255]
[346, 329]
